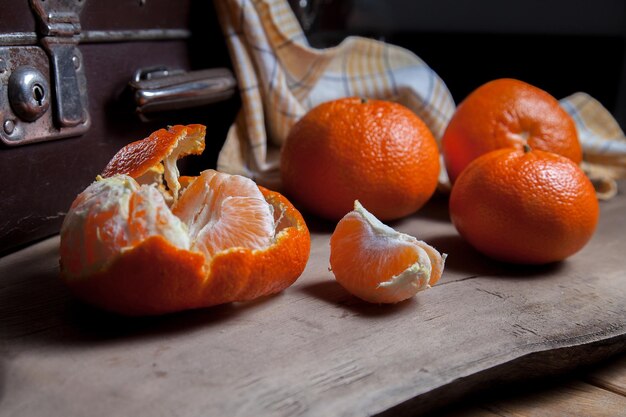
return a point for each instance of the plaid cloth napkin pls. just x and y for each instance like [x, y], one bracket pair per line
[602, 140]
[281, 77]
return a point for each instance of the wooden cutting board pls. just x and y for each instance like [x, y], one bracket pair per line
[313, 350]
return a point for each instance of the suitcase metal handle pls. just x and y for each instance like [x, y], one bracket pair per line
[160, 89]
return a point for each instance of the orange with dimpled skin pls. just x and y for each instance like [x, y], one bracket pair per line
[524, 206]
[507, 113]
[374, 151]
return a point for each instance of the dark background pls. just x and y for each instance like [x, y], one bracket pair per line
[561, 46]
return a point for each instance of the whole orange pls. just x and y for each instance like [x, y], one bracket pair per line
[524, 206]
[374, 151]
[504, 113]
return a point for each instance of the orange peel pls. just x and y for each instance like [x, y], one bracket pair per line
[124, 249]
[157, 154]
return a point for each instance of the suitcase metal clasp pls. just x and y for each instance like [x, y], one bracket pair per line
[61, 28]
[46, 88]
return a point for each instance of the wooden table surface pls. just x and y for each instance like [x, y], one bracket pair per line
[598, 390]
[316, 350]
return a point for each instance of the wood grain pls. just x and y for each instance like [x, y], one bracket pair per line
[611, 376]
[573, 399]
[314, 349]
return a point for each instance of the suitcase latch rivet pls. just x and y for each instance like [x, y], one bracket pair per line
[9, 126]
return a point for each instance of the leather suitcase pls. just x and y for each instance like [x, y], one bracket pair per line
[81, 78]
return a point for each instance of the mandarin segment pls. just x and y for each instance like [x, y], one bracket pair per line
[223, 211]
[378, 264]
[507, 113]
[376, 151]
[528, 207]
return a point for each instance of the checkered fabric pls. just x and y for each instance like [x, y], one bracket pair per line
[281, 77]
[602, 140]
